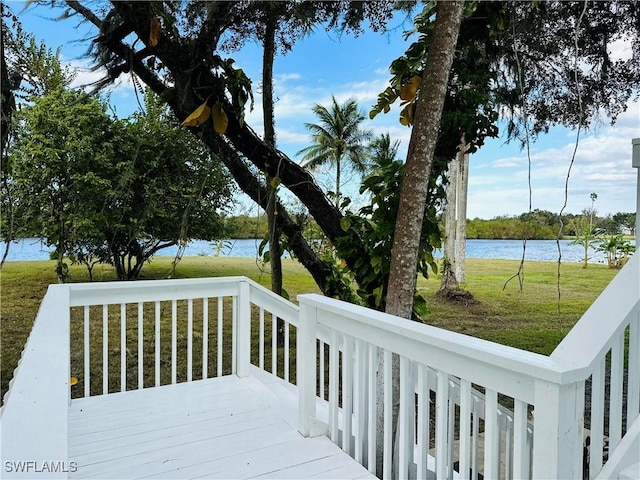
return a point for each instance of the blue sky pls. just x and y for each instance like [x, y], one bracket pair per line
[326, 64]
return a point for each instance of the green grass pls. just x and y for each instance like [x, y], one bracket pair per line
[531, 319]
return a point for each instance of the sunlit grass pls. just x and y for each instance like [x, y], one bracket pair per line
[534, 319]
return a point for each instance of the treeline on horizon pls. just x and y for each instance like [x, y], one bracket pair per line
[537, 225]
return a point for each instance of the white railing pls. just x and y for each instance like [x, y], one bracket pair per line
[35, 411]
[441, 373]
[119, 336]
[459, 395]
[604, 348]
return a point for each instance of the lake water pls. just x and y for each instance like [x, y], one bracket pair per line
[536, 250]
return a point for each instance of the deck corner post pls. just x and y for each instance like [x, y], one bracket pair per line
[306, 366]
[558, 430]
[243, 335]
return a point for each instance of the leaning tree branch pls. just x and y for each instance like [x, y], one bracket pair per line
[196, 81]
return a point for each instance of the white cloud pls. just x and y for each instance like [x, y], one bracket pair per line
[283, 77]
[602, 165]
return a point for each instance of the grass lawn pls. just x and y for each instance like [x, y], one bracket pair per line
[532, 319]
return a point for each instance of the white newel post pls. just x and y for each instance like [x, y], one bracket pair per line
[558, 430]
[306, 368]
[243, 335]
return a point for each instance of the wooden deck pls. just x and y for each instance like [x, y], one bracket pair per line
[226, 427]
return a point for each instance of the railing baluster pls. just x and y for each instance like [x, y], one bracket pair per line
[371, 408]
[423, 421]
[205, 338]
[87, 354]
[189, 339]
[597, 418]
[465, 427]
[286, 351]
[219, 339]
[491, 435]
[442, 409]
[451, 428]
[475, 435]
[387, 466]
[321, 370]
[333, 387]
[633, 376]
[358, 400]
[520, 450]
[347, 393]
[157, 342]
[615, 395]
[234, 331]
[261, 345]
[174, 340]
[123, 347]
[140, 345]
[105, 349]
[274, 344]
[508, 444]
[407, 404]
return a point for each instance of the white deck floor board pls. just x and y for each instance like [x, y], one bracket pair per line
[217, 428]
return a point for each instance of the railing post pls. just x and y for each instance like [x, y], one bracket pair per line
[306, 367]
[35, 415]
[243, 333]
[558, 432]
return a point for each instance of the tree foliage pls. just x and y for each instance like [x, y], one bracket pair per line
[62, 146]
[187, 65]
[338, 138]
[112, 190]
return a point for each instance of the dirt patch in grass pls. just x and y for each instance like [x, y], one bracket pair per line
[457, 296]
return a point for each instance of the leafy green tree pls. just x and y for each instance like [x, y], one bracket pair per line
[617, 250]
[338, 138]
[118, 191]
[375, 223]
[28, 70]
[64, 140]
[626, 221]
[166, 189]
[588, 235]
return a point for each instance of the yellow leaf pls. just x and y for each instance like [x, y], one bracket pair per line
[156, 31]
[410, 88]
[220, 120]
[73, 381]
[275, 181]
[406, 115]
[198, 116]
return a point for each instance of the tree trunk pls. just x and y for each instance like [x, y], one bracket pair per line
[415, 185]
[275, 254]
[450, 214]
[461, 225]
[338, 183]
[424, 135]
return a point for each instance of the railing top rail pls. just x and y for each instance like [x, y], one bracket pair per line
[273, 302]
[34, 416]
[148, 290]
[592, 336]
[390, 327]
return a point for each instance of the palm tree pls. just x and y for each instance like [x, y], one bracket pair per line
[382, 150]
[336, 138]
